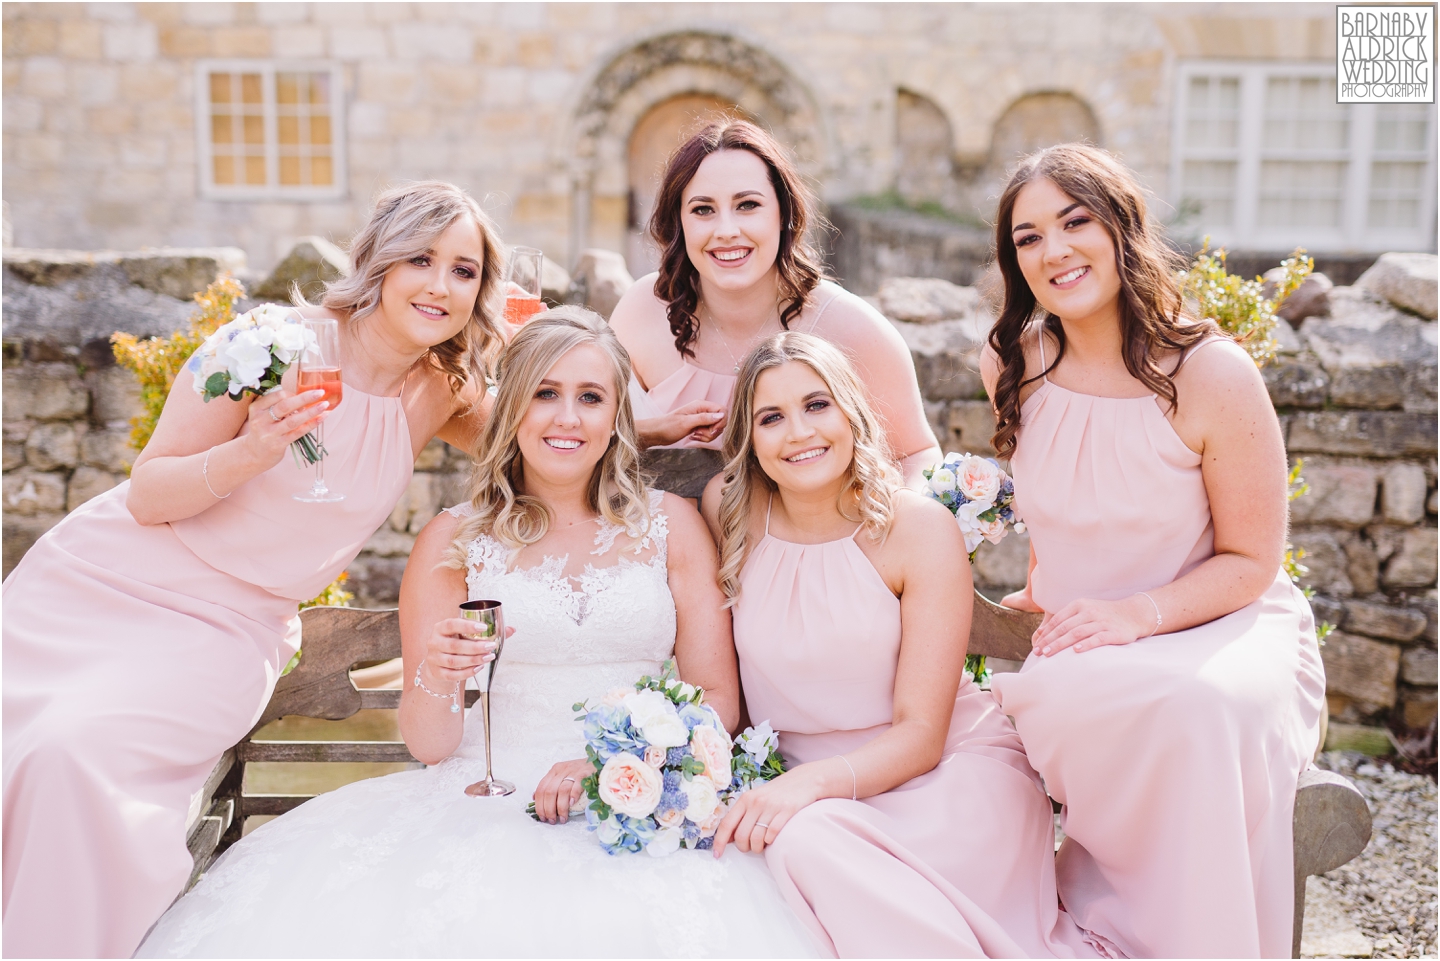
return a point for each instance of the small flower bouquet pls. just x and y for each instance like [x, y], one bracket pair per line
[249, 355]
[982, 498]
[665, 769]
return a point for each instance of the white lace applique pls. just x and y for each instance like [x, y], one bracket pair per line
[657, 532]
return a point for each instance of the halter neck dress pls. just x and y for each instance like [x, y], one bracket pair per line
[957, 862]
[136, 655]
[1176, 757]
[690, 383]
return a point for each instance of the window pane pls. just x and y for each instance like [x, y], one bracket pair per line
[320, 130]
[321, 172]
[1402, 126]
[1395, 190]
[255, 130]
[220, 88]
[1301, 114]
[1301, 194]
[224, 169]
[289, 130]
[290, 171]
[222, 130]
[287, 88]
[255, 171]
[1212, 118]
[1209, 188]
[251, 89]
[320, 89]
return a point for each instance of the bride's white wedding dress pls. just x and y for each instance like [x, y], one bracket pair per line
[408, 865]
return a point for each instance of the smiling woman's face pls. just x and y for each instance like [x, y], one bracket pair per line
[1066, 255]
[802, 438]
[567, 427]
[428, 299]
[731, 219]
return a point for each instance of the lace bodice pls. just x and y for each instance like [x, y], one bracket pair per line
[576, 637]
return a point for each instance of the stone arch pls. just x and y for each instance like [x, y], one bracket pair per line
[1039, 120]
[645, 75]
[924, 151]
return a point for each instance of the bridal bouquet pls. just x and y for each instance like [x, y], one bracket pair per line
[978, 493]
[665, 769]
[250, 355]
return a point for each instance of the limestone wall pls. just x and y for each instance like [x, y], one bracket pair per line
[1355, 386]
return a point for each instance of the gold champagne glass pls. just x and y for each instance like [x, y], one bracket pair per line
[490, 620]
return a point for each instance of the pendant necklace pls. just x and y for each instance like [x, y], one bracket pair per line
[724, 340]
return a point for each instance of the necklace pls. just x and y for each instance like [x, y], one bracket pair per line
[726, 341]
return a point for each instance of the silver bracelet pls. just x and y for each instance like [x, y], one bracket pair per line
[205, 473]
[854, 781]
[1158, 620]
[453, 698]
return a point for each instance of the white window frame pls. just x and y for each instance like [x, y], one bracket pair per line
[1245, 232]
[272, 190]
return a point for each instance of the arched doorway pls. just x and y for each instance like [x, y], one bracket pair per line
[654, 138]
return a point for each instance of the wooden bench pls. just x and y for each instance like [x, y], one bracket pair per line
[1331, 820]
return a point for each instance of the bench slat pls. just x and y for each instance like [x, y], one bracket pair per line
[325, 751]
[273, 804]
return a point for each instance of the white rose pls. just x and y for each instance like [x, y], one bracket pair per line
[246, 358]
[608, 830]
[700, 798]
[942, 480]
[980, 480]
[687, 691]
[655, 756]
[630, 786]
[965, 516]
[666, 842]
[655, 718]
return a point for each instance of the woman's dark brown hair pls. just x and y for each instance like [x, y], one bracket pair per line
[1150, 300]
[796, 262]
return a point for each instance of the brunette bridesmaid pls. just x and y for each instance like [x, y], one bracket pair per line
[908, 823]
[730, 221]
[144, 633]
[1174, 692]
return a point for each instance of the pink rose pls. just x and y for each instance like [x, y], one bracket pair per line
[630, 786]
[711, 824]
[655, 756]
[673, 818]
[980, 480]
[712, 748]
[992, 531]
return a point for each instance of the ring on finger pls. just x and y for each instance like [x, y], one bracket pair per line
[564, 779]
[271, 409]
[761, 824]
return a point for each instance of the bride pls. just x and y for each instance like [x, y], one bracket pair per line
[601, 581]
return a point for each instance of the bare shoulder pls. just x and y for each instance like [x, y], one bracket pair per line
[316, 312]
[1219, 371]
[682, 516]
[924, 529]
[848, 320]
[639, 310]
[710, 504]
[434, 540]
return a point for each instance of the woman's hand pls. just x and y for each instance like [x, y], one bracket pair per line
[454, 652]
[759, 815]
[700, 421]
[560, 789]
[1086, 624]
[277, 420]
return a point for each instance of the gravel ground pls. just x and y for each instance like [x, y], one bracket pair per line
[1389, 890]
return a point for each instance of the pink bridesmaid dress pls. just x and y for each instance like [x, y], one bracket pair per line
[134, 656]
[957, 862]
[1176, 757]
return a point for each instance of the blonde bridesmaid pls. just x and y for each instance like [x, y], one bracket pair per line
[908, 823]
[144, 633]
[1173, 695]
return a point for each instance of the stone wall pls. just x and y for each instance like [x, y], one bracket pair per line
[1354, 384]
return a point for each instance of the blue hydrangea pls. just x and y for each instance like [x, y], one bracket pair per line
[694, 715]
[672, 780]
[676, 755]
[691, 832]
[608, 730]
[705, 844]
[671, 801]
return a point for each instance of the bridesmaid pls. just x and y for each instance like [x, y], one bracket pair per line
[908, 823]
[1173, 695]
[144, 633]
[730, 219]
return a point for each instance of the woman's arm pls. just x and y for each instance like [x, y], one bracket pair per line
[1224, 413]
[924, 561]
[704, 646]
[172, 479]
[885, 366]
[432, 631]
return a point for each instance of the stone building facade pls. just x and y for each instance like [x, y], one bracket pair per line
[199, 124]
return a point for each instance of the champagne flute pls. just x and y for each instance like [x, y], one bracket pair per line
[320, 368]
[490, 624]
[522, 286]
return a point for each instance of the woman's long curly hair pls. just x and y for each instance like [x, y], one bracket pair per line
[502, 509]
[1150, 299]
[406, 222]
[874, 476]
[796, 262]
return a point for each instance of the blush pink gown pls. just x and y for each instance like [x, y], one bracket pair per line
[1176, 756]
[957, 862]
[134, 656]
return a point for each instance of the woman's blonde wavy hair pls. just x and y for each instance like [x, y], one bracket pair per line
[617, 488]
[874, 475]
[406, 222]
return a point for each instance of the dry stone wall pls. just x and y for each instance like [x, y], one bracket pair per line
[1354, 385]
